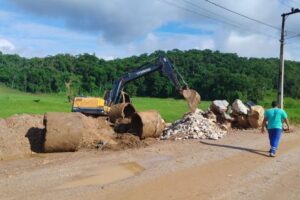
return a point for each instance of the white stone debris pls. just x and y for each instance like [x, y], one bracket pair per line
[193, 126]
[239, 107]
[219, 106]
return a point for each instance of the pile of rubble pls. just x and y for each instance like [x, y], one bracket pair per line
[193, 126]
[238, 115]
[216, 121]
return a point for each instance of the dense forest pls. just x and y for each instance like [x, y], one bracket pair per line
[213, 74]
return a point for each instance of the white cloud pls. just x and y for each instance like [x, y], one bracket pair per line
[119, 28]
[153, 42]
[252, 45]
[118, 20]
[6, 46]
[125, 20]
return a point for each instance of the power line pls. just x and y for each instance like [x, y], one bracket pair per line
[282, 2]
[291, 37]
[239, 25]
[212, 18]
[197, 13]
[214, 13]
[250, 18]
[196, 5]
[295, 2]
[242, 15]
[290, 44]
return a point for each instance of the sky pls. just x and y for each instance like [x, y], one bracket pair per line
[120, 28]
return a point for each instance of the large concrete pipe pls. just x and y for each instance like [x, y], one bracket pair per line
[147, 124]
[121, 110]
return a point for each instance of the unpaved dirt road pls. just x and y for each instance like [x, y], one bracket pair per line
[235, 167]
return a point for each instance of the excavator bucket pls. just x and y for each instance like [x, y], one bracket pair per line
[193, 99]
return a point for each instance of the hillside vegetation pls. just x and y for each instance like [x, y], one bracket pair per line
[214, 75]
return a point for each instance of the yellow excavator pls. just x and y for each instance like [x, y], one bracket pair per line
[98, 106]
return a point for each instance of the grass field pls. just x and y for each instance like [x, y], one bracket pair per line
[16, 102]
[170, 109]
[291, 106]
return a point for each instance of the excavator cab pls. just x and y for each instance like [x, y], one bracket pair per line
[89, 105]
[124, 98]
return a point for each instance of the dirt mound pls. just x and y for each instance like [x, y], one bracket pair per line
[21, 135]
[72, 131]
[128, 141]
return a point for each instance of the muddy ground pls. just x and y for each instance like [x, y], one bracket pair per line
[235, 167]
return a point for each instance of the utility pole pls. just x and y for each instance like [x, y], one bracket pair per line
[281, 66]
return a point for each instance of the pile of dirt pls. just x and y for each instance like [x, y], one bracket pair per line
[125, 141]
[23, 135]
[194, 126]
[20, 135]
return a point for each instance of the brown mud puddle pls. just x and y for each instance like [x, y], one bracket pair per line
[107, 175]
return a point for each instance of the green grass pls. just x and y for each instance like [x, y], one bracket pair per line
[170, 109]
[291, 106]
[16, 102]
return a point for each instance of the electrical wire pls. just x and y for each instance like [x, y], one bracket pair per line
[291, 37]
[212, 18]
[247, 17]
[223, 17]
[196, 5]
[242, 15]
[225, 22]
[284, 3]
[295, 2]
[196, 12]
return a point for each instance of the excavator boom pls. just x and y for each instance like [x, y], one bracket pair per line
[162, 64]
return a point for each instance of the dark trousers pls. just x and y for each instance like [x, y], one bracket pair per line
[274, 137]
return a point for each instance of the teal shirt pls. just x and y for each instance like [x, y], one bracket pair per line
[275, 117]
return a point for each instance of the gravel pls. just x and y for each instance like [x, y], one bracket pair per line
[193, 126]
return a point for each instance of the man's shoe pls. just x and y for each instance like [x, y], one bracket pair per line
[272, 154]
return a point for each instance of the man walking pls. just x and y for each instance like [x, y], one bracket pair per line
[274, 118]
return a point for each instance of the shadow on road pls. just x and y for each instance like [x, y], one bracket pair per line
[259, 152]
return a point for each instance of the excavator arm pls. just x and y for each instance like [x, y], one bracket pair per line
[162, 64]
[98, 106]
